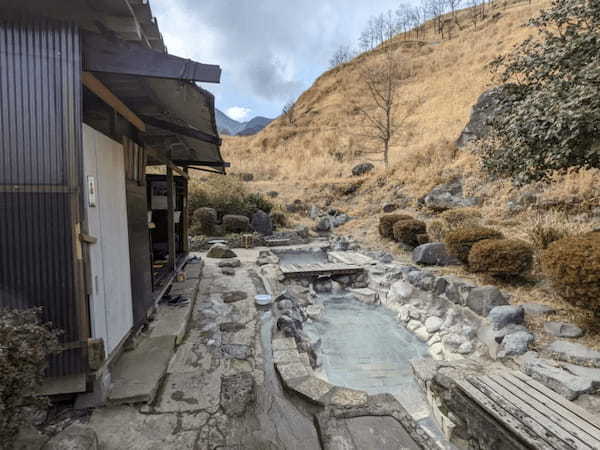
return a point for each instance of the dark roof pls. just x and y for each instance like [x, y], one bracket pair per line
[193, 138]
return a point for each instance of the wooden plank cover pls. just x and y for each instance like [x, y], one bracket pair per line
[533, 412]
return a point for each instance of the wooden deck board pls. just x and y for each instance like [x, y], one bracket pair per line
[532, 412]
[292, 270]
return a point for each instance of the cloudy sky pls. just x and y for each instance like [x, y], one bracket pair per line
[270, 50]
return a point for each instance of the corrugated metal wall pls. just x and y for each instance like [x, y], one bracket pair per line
[40, 166]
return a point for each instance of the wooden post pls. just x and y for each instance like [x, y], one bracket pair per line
[171, 219]
[185, 215]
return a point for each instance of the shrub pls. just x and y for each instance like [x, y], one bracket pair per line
[228, 196]
[407, 230]
[553, 109]
[386, 224]
[235, 223]
[460, 217]
[542, 236]
[279, 219]
[25, 345]
[204, 221]
[501, 257]
[460, 241]
[573, 266]
[423, 239]
[437, 229]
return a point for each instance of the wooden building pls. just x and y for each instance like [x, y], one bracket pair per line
[89, 98]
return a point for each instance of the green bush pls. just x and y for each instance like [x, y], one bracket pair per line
[25, 345]
[204, 221]
[460, 241]
[501, 257]
[407, 231]
[228, 196]
[386, 224]
[236, 224]
[551, 107]
[573, 266]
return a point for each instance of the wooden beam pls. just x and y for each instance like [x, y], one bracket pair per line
[163, 159]
[171, 219]
[98, 88]
[183, 131]
[202, 163]
[103, 54]
[186, 217]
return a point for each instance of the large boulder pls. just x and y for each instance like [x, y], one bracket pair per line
[236, 224]
[362, 169]
[489, 104]
[504, 315]
[74, 437]
[562, 329]
[433, 254]
[261, 223]
[324, 224]
[485, 298]
[220, 251]
[448, 196]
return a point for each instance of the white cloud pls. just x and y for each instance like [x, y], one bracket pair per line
[238, 113]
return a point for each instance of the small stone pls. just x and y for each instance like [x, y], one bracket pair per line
[228, 271]
[414, 313]
[436, 338]
[465, 348]
[422, 334]
[404, 313]
[234, 296]
[516, 344]
[504, 315]
[231, 263]
[433, 324]
[413, 325]
[400, 291]
[390, 207]
[315, 312]
[483, 299]
[324, 224]
[453, 341]
[562, 329]
[220, 251]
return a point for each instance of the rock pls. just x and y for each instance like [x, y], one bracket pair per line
[504, 315]
[340, 220]
[273, 194]
[537, 309]
[433, 254]
[447, 196]
[247, 177]
[236, 351]
[413, 325]
[400, 291]
[74, 437]
[591, 403]
[261, 223]
[362, 169]
[390, 207]
[453, 341]
[414, 313]
[574, 353]
[465, 348]
[324, 224]
[404, 313]
[314, 212]
[562, 329]
[233, 263]
[289, 326]
[237, 393]
[233, 223]
[422, 334]
[457, 290]
[220, 251]
[483, 299]
[228, 271]
[315, 312]
[433, 324]
[489, 104]
[365, 295]
[556, 378]
[296, 207]
[516, 344]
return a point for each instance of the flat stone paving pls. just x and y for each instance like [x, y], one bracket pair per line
[363, 347]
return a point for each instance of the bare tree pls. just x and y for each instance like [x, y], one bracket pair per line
[382, 120]
[342, 55]
[454, 5]
[288, 112]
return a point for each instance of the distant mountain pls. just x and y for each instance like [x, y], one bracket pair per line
[226, 125]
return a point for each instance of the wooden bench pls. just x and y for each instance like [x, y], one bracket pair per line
[308, 270]
[529, 414]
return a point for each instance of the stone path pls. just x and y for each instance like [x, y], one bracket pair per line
[219, 390]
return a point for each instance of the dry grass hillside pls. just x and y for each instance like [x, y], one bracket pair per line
[312, 159]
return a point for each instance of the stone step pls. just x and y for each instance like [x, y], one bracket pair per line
[137, 374]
